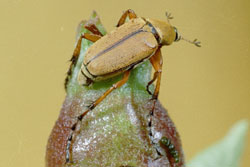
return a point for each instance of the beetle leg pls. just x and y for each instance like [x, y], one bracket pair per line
[156, 61]
[90, 37]
[76, 53]
[130, 13]
[92, 28]
[91, 107]
[150, 82]
[115, 86]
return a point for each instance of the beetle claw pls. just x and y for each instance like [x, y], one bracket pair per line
[149, 92]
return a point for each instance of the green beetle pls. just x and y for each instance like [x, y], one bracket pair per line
[120, 51]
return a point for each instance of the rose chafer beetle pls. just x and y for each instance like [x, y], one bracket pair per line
[124, 48]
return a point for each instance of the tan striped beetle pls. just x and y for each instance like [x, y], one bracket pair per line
[120, 51]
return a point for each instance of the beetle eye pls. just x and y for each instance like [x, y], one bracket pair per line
[177, 38]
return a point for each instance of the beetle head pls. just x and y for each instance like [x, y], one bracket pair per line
[177, 36]
[165, 31]
[168, 33]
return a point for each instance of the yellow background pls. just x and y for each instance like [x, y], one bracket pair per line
[205, 89]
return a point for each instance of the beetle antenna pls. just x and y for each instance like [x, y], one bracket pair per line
[169, 17]
[195, 41]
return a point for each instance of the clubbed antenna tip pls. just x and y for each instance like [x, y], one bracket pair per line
[168, 15]
[195, 42]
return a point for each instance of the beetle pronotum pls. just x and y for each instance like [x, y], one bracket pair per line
[119, 52]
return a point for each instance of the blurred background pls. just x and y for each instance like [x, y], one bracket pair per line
[205, 89]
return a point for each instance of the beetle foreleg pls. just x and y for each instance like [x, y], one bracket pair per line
[156, 61]
[91, 107]
[130, 13]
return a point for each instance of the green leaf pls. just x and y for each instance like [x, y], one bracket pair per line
[226, 152]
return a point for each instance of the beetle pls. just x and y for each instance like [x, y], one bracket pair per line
[124, 48]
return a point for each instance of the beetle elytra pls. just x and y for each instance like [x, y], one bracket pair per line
[120, 51]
